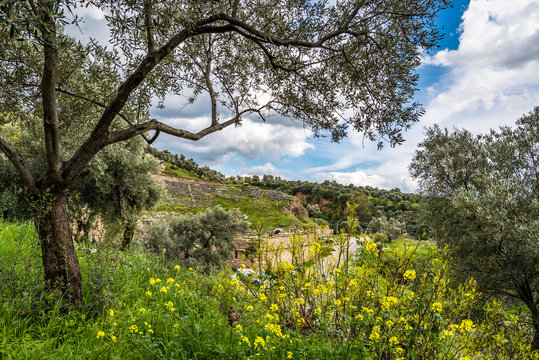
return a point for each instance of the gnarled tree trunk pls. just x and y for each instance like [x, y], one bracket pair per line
[60, 263]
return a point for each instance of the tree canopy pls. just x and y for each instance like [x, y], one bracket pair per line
[331, 66]
[484, 204]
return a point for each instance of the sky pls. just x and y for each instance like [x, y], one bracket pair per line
[483, 75]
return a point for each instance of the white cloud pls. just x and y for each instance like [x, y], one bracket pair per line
[252, 140]
[91, 12]
[266, 169]
[494, 74]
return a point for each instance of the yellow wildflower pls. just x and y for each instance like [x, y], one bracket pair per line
[289, 354]
[466, 325]
[409, 274]
[389, 323]
[393, 341]
[170, 280]
[262, 297]
[164, 289]
[238, 328]
[113, 338]
[359, 317]
[436, 306]
[371, 247]
[274, 307]
[148, 293]
[299, 301]
[375, 336]
[260, 342]
[337, 302]
[152, 281]
[150, 331]
[245, 339]
[100, 334]
[111, 312]
[249, 308]
[177, 267]
[175, 326]
[318, 311]
[142, 310]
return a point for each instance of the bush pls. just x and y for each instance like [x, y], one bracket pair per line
[204, 239]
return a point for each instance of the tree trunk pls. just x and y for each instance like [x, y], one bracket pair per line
[62, 270]
[129, 233]
[129, 226]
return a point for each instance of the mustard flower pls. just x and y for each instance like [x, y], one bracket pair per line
[260, 342]
[245, 339]
[371, 247]
[274, 307]
[289, 354]
[150, 331]
[157, 280]
[393, 341]
[409, 274]
[100, 334]
[299, 301]
[175, 326]
[113, 338]
[375, 336]
[262, 297]
[164, 289]
[337, 302]
[170, 280]
[359, 317]
[466, 325]
[148, 293]
[177, 267]
[111, 312]
[142, 310]
[249, 308]
[238, 328]
[152, 281]
[436, 306]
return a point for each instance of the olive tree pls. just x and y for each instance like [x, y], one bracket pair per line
[483, 202]
[332, 66]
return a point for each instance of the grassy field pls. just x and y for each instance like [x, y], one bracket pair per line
[182, 173]
[138, 306]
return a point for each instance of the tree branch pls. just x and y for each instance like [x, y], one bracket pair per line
[149, 26]
[17, 161]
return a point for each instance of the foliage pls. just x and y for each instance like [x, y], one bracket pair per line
[484, 204]
[204, 239]
[389, 229]
[118, 185]
[176, 163]
[161, 311]
[329, 65]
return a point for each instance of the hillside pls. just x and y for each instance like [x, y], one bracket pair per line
[271, 208]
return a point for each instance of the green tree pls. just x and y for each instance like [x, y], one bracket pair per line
[331, 66]
[363, 210]
[118, 184]
[204, 239]
[484, 203]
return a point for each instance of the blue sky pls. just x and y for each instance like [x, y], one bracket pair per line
[485, 74]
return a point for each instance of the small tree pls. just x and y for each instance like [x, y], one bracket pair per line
[483, 202]
[206, 238]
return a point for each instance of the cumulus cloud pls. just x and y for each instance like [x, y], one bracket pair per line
[252, 140]
[493, 76]
[266, 169]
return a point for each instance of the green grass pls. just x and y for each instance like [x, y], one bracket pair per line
[182, 173]
[185, 316]
[262, 211]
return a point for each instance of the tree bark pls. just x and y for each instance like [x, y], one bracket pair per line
[60, 263]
